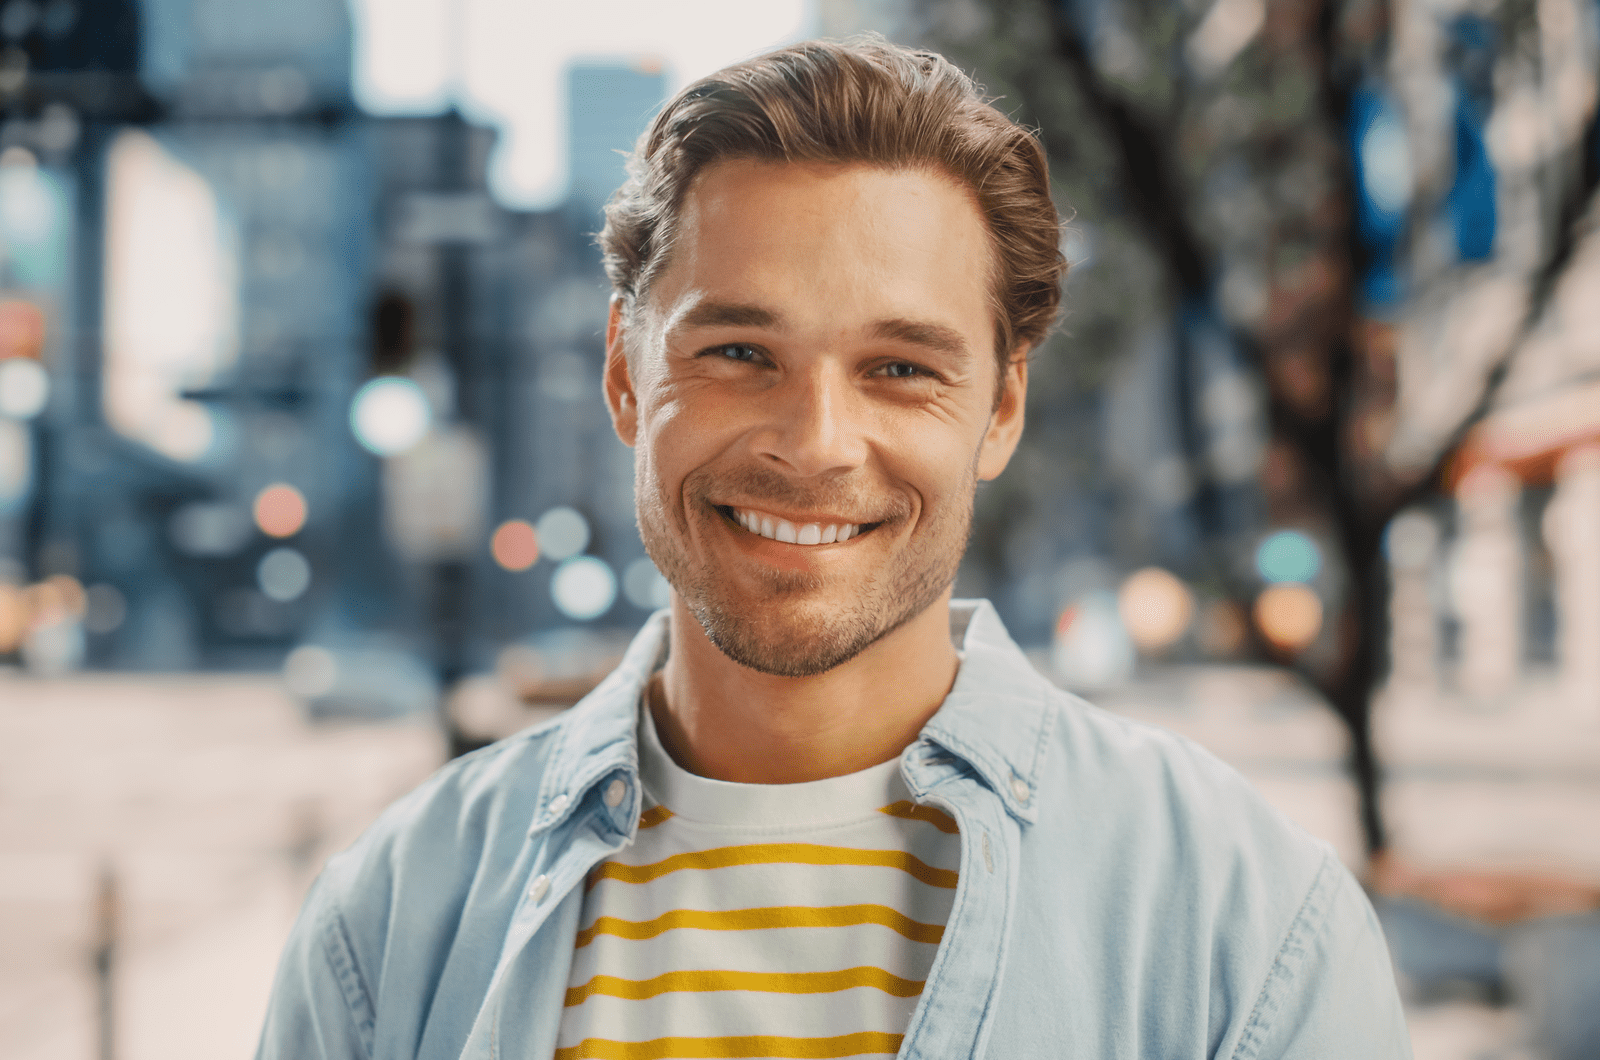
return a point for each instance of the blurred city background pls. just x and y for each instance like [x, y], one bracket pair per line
[306, 483]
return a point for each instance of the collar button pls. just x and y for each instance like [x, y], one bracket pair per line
[1019, 788]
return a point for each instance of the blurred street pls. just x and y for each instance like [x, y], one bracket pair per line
[214, 804]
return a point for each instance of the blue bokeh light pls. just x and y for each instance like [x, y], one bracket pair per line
[1288, 556]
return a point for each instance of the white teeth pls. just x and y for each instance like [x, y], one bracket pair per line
[787, 532]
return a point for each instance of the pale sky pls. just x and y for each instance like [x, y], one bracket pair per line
[511, 55]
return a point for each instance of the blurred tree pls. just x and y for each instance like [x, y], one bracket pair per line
[1292, 192]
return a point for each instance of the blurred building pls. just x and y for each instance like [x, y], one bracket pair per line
[222, 251]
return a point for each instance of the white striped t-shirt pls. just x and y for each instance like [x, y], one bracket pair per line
[760, 920]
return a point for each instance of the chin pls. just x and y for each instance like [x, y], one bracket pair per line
[801, 638]
[797, 647]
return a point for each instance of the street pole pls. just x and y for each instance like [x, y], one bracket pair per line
[106, 916]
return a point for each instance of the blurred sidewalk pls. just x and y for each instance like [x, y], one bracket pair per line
[214, 803]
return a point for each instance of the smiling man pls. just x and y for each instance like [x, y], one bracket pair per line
[820, 809]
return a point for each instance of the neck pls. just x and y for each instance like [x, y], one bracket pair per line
[721, 720]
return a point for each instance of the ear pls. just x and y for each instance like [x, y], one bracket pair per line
[1005, 425]
[620, 396]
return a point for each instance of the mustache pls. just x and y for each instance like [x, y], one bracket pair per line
[755, 484]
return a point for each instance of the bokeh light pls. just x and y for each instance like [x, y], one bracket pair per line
[515, 545]
[58, 598]
[24, 388]
[390, 415]
[1289, 616]
[22, 328]
[14, 616]
[283, 574]
[1092, 649]
[280, 510]
[1288, 556]
[583, 588]
[310, 671]
[563, 533]
[644, 586]
[1156, 609]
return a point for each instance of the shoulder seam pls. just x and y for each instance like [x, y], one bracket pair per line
[1286, 965]
[353, 990]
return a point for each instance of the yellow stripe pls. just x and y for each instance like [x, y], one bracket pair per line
[699, 982]
[927, 814]
[654, 816]
[778, 916]
[745, 1045]
[775, 854]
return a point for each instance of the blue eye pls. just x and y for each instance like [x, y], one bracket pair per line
[901, 371]
[736, 351]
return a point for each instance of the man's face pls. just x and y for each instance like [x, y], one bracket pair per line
[810, 386]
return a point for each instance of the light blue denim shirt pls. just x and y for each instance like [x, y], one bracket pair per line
[1122, 893]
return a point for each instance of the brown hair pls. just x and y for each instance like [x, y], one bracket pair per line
[861, 100]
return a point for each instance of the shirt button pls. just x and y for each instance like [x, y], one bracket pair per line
[1019, 788]
[539, 888]
[616, 791]
[558, 804]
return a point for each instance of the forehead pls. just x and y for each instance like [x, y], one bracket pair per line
[831, 243]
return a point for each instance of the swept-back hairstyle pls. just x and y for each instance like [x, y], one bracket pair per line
[862, 100]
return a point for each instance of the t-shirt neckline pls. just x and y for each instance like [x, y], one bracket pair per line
[724, 803]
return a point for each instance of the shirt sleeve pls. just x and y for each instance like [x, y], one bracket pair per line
[1331, 992]
[321, 1008]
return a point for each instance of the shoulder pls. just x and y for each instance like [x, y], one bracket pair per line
[1154, 862]
[1165, 798]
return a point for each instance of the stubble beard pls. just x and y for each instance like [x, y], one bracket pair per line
[780, 632]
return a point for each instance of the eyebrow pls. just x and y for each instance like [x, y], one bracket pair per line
[934, 337]
[731, 315]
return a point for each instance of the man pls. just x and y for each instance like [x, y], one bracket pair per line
[819, 810]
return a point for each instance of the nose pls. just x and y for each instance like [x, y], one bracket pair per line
[814, 423]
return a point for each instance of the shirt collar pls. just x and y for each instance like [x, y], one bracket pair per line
[995, 717]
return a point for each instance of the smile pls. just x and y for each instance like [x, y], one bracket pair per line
[774, 528]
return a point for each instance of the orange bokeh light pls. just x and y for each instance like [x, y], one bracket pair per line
[21, 329]
[280, 510]
[1156, 608]
[1289, 615]
[515, 545]
[15, 616]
